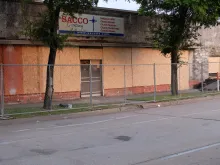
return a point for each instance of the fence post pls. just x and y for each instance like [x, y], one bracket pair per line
[125, 93]
[179, 89]
[2, 92]
[202, 77]
[218, 81]
[189, 67]
[155, 83]
[90, 84]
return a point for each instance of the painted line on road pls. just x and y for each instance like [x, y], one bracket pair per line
[70, 133]
[215, 110]
[90, 123]
[21, 130]
[75, 125]
[103, 121]
[150, 121]
[118, 118]
[166, 157]
[191, 151]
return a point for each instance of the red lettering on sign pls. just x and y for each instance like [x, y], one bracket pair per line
[85, 20]
[69, 20]
[74, 20]
[80, 20]
[63, 18]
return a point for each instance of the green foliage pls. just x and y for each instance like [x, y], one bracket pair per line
[181, 20]
[45, 27]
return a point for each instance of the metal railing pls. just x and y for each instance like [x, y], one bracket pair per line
[98, 86]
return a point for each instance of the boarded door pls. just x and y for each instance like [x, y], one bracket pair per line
[91, 76]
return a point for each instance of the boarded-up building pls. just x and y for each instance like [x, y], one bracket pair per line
[115, 42]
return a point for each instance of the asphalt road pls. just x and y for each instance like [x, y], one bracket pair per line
[176, 135]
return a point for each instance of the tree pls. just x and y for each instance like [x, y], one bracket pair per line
[178, 30]
[45, 29]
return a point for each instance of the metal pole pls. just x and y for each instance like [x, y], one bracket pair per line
[202, 77]
[155, 83]
[179, 81]
[2, 92]
[50, 81]
[90, 75]
[189, 74]
[125, 93]
[218, 85]
[218, 81]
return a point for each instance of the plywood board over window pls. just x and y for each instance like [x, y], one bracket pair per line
[214, 64]
[114, 69]
[91, 53]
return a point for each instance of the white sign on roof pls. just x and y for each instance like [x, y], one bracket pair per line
[91, 25]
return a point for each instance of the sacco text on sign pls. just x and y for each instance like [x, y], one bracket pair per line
[95, 25]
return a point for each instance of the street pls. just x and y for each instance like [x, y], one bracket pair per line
[175, 135]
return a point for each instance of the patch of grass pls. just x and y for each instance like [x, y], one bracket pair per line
[25, 112]
[160, 98]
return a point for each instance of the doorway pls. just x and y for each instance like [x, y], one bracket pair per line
[93, 76]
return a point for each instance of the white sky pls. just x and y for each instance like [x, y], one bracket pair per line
[119, 4]
[116, 4]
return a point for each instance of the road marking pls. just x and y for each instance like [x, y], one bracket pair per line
[166, 157]
[70, 133]
[191, 151]
[125, 117]
[103, 121]
[149, 121]
[118, 118]
[215, 110]
[81, 124]
[21, 130]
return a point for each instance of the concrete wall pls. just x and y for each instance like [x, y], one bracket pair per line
[136, 27]
[208, 46]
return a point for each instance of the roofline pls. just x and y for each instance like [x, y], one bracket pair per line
[99, 8]
[119, 10]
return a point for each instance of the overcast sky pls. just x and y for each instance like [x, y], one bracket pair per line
[119, 4]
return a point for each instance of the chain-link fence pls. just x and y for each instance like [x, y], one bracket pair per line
[92, 85]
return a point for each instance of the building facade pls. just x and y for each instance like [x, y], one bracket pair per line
[119, 50]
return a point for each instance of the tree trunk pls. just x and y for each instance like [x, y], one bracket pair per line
[174, 76]
[49, 82]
